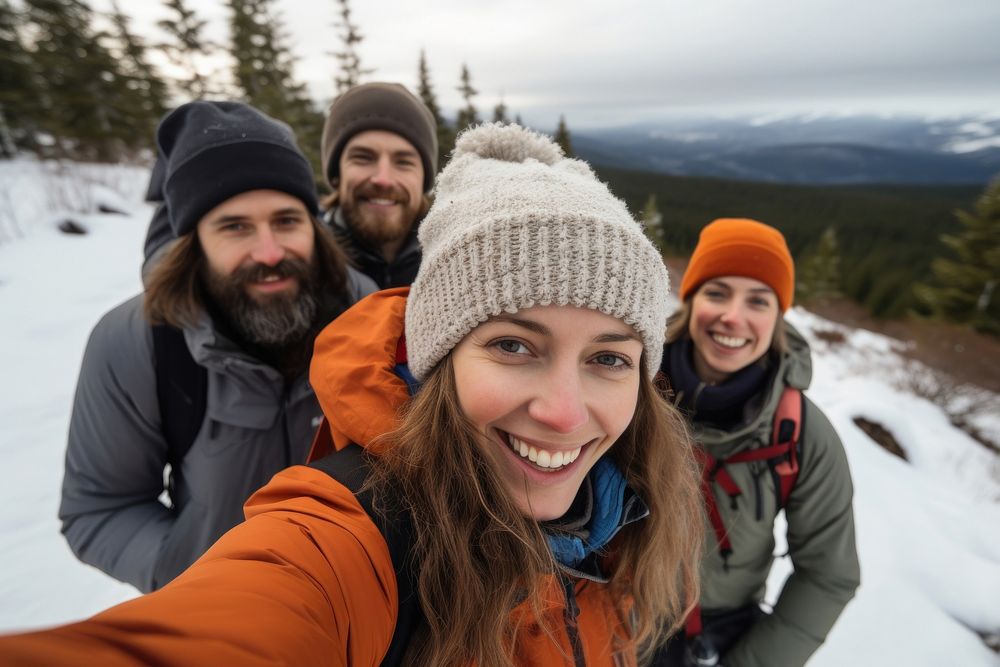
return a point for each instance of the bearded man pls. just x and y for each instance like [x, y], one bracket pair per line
[379, 154]
[194, 393]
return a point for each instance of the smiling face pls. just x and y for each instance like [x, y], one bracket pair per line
[733, 319]
[549, 390]
[256, 232]
[380, 187]
[258, 249]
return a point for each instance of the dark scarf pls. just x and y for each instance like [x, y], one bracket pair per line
[720, 405]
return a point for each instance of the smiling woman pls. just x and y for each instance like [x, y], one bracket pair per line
[548, 392]
[534, 502]
[734, 365]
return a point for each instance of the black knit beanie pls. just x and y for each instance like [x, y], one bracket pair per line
[212, 151]
[379, 106]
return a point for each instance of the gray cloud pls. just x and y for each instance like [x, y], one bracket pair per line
[602, 63]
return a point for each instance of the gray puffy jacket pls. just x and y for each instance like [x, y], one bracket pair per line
[113, 508]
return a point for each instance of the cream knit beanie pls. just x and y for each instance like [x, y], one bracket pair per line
[516, 224]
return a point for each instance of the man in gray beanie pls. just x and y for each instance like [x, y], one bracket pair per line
[204, 374]
[379, 154]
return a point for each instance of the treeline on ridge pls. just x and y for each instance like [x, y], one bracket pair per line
[886, 235]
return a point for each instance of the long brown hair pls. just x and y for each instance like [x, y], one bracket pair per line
[174, 293]
[479, 556]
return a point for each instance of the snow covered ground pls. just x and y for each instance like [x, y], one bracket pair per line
[928, 530]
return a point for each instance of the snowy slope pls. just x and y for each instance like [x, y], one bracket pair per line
[927, 530]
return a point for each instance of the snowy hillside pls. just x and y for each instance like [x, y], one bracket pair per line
[927, 529]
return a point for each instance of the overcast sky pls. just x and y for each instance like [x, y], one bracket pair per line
[611, 63]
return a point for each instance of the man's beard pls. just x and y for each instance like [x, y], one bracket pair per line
[376, 229]
[272, 321]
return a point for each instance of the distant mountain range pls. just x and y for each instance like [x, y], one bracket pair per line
[807, 149]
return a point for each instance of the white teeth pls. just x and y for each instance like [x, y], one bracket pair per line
[729, 341]
[272, 278]
[382, 202]
[542, 457]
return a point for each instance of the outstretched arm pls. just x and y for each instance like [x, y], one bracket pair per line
[306, 580]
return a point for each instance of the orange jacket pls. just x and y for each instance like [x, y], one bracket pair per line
[307, 579]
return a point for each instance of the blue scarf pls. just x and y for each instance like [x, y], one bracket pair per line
[608, 486]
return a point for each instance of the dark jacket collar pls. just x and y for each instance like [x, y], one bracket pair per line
[400, 272]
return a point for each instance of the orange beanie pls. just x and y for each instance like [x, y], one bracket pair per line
[741, 247]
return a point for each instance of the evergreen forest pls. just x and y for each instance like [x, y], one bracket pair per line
[80, 85]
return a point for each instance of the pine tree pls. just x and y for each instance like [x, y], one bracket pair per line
[818, 274]
[145, 93]
[261, 64]
[518, 121]
[445, 135]
[351, 71]
[188, 51]
[652, 221]
[562, 137]
[500, 113]
[17, 86]
[964, 287]
[467, 115]
[263, 72]
[81, 88]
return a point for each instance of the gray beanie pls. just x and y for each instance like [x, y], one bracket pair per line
[379, 106]
[516, 224]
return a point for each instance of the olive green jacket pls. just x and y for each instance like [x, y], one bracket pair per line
[820, 528]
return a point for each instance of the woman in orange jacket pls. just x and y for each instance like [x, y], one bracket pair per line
[534, 503]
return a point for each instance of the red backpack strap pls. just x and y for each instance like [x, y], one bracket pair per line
[783, 455]
[692, 624]
[786, 433]
[709, 474]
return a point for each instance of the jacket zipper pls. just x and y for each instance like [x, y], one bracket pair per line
[570, 615]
